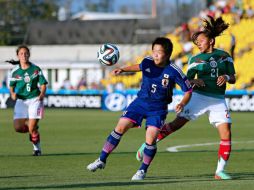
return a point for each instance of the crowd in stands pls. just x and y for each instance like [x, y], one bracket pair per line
[238, 13]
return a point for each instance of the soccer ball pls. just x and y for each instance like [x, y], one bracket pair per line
[108, 54]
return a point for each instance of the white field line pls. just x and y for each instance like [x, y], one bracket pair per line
[175, 148]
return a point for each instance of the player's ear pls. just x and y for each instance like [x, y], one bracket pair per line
[212, 41]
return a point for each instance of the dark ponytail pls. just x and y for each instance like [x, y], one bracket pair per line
[212, 28]
[13, 62]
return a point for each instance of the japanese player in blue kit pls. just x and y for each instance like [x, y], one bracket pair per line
[159, 76]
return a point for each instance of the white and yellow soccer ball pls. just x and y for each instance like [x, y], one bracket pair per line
[108, 54]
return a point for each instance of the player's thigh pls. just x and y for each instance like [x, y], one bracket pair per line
[123, 125]
[219, 113]
[156, 121]
[196, 107]
[35, 109]
[20, 110]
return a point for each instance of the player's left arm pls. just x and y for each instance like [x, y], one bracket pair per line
[185, 85]
[230, 74]
[43, 85]
[132, 68]
[43, 92]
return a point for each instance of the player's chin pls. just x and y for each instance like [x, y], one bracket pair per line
[157, 62]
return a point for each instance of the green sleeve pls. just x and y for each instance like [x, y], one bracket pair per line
[191, 73]
[42, 79]
[230, 68]
[13, 81]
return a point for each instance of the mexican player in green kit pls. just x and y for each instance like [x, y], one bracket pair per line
[28, 110]
[208, 72]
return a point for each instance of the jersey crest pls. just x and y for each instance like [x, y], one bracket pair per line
[26, 78]
[212, 62]
[165, 81]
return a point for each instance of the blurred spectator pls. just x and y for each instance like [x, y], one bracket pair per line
[119, 86]
[67, 85]
[82, 85]
[185, 34]
[4, 83]
[249, 84]
[94, 86]
[249, 12]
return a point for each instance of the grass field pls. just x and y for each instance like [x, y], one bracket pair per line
[73, 138]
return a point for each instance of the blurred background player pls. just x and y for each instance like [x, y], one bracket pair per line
[213, 69]
[159, 77]
[28, 109]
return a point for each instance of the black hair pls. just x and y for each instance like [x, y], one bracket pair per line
[165, 43]
[21, 47]
[12, 61]
[211, 29]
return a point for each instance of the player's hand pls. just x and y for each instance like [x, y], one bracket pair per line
[14, 96]
[179, 108]
[222, 80]
[116, 71]
[197, 82]
[41, 97]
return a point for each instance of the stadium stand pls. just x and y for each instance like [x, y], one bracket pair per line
[240, 25]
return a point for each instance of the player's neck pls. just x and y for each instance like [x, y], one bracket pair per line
[24, 65]
[162, 64]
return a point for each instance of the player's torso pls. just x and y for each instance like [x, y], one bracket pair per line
[26, 82]
[156, 83]
[208, 68]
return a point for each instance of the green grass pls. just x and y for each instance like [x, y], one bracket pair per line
[71, 139]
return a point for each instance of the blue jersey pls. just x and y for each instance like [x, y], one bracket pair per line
[155, 93]
[158, 82]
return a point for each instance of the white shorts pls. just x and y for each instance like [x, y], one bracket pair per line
[215, 108]
[30, 109]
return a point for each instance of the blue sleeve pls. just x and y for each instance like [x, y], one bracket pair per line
[142, 65]
[181, 79]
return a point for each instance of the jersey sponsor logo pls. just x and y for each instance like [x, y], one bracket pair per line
[148, 70]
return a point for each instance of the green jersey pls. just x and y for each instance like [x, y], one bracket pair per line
[208, 67]
[26, 81]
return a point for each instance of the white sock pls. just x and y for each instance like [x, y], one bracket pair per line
[37, 146]
[221, 165]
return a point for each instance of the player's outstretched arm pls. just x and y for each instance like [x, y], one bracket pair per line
[132, 68]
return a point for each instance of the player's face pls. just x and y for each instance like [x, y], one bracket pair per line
[23, 55]
[159, 56]
[204, 44]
